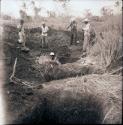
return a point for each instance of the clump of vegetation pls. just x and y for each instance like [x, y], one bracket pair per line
[108, 47]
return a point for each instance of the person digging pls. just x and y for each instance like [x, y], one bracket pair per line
[22, 37]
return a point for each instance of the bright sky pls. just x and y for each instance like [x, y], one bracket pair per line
[75, 7]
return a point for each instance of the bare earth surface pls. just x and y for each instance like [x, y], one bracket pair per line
[76, 92]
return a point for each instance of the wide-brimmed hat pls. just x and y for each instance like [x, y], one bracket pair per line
[86, 20]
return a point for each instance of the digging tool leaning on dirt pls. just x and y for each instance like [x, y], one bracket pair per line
[22, 36]
[44, 34]
[73, 28]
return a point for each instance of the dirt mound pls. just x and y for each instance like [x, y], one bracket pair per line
[58, 38]
[55, 39]
[58, 41]
[52, 71]
[78, 100]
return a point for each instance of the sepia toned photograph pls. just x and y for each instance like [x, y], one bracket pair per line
[61, 62]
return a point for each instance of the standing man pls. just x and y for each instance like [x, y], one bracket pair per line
[86, 30]
[73, 28]
[44, 34]
[22, 36]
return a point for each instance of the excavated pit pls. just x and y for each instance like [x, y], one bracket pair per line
[43, 106]
[65, 110]
[26, 67]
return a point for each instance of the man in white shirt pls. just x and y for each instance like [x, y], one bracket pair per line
[44, 35]
[86, 30]
[21, 32]
[22, 36]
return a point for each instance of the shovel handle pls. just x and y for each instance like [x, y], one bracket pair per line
[14, 68]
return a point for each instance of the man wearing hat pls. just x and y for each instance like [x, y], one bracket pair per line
[54, 58]
[22, 36]
[86, 30]
[73, 28]
[44, 35]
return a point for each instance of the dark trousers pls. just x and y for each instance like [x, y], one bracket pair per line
[73, 37]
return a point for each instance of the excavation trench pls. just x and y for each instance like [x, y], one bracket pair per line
[66, 101]
[64, 110]
[28, 70]
[55, 106]
[36, 73]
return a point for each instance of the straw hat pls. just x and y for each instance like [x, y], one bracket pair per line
[86, 20]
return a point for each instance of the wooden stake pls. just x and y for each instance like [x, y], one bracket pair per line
[14, 69]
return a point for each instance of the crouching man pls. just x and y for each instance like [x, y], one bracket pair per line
[44, 34]
[53, 58]
[22, 36]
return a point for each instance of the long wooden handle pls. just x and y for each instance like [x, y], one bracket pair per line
[14, 68]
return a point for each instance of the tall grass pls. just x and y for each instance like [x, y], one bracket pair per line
[108, 47]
